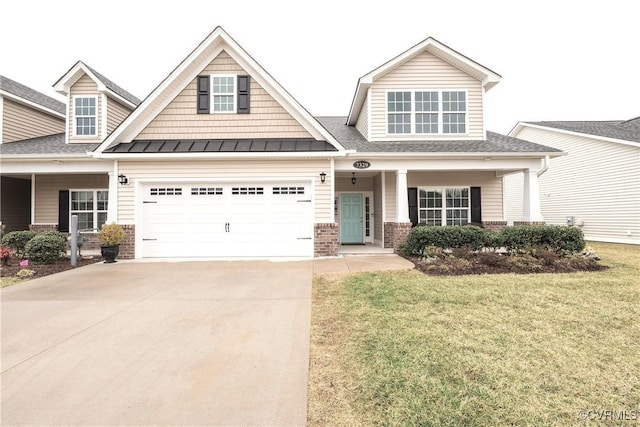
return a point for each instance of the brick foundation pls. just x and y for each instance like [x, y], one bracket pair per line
[494, 225]
[395, 234]
[128, 247]
[529, 223]
[325, 240]
[41, 228]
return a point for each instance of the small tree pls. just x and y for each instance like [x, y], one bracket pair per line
[111, 235]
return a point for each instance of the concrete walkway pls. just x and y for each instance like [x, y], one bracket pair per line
[359, 263]
[189, 343]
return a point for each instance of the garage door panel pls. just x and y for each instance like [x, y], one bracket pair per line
[235, 220]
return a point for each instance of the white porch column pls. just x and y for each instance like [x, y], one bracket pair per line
[402, 201]
[112, 207]
[531, 200]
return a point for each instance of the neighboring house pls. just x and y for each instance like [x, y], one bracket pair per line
[221, 161]
[596, 186]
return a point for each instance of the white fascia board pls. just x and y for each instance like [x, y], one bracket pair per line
[119, 98]
[442, 164]
[56, 166]
[189, 68]
[31, 104]
[214, 156]
[483, 155]
[362, 89]
[516, 130]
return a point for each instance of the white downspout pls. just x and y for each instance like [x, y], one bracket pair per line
[545, 165]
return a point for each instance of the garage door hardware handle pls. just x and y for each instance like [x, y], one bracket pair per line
[149, 240]
[226, 227]
[304, 238]
[304, 201]
[147, 201]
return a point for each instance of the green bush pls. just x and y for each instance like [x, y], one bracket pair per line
[17, 240]
[467, 237]
[557, 238]
[46, 247]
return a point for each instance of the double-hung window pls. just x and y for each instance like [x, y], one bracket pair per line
[85, 112]
[444, 206]
[90, 206]
[429, 112]
[223, 92]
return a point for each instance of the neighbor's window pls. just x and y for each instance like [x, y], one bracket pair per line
[85, 115]
[90, 206]
[430, 112]
[223, 94]
[444, 206]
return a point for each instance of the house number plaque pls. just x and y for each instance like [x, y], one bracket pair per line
[361, 164]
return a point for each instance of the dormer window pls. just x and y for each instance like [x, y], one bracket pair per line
[85, 113]
[421, 112]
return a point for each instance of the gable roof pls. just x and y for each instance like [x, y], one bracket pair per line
[217, 41]
[42, 101]
[488, 77]
[104, 84]
[494, 143]
[612, 130]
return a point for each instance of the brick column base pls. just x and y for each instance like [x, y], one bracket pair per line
[325, 241]
[529, 222]
[494, 225]
[128, 247]
[395, 234]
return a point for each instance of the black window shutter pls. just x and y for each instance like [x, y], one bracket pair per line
[476, 205]
[203, 95]
[413, 205]
[63, 211]
[243, 95]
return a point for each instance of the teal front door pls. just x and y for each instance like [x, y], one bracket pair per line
[351, 218]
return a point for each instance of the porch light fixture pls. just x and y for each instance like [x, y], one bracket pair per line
[353, 178]
[123, 180]
[323, 177]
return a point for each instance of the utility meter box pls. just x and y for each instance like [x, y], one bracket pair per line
[570, 220]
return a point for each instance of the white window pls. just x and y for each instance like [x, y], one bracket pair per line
[90, 206]
[444, 206]
[85, 112]
[223, 94]
[427, 112]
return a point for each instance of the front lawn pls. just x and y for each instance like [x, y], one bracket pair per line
[402, 348]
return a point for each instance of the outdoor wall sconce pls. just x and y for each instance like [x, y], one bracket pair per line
[123, 180]
[323, 177]
[353, 178]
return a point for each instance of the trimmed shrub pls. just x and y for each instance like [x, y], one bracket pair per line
[17, 240]
[557, 238]
[46, 247]
[444, 237]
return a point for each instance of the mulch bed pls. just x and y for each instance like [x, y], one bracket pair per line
[42, 270]
[494, 263]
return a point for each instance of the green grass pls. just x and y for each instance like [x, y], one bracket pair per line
[9, 281]
[402, 348]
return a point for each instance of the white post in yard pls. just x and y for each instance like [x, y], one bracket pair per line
[74, 240]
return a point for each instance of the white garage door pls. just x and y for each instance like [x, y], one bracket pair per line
[227, 220]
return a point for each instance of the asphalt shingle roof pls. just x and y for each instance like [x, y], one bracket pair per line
[24, 92]
[627, 130]
[50, 144]
[114, 87]
[351, 139]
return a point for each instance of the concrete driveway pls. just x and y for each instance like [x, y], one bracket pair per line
[186, 343]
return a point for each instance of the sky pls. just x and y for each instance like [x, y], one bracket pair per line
[559, 60]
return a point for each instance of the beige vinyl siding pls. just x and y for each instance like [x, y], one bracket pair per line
[598, 182]
[362, 124]
[22, 122]
[85, 86]
[377, 209]
[48, 186]
[426, 71]
[267, 119]
[490, 187]
[390, 196]
[305, 170]
[116, 113]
